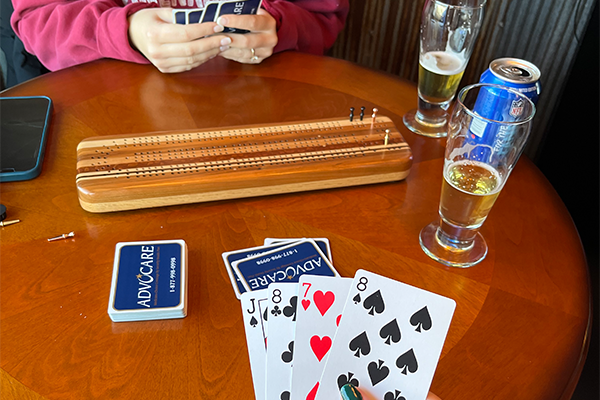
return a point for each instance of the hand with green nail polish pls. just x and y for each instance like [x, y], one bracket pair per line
[350, 392]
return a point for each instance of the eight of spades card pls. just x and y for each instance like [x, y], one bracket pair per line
[320, 304]
[283, 298]
[254, 311]
[388, 342]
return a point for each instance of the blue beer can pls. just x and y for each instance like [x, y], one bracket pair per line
[494, 104]
[516, 74]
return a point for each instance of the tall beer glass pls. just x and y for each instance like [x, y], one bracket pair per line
[487, 132]
[449, 29]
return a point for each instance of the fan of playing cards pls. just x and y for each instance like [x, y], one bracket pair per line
[310, 331]
[212, 10]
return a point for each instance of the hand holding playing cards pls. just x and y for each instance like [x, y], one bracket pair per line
[172, 47]
[252, 47]
[349, 392]
[370, 334]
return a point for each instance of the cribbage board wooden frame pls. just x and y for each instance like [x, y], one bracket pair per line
[128, 172]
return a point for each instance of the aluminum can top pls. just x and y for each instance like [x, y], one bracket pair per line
[515, 70]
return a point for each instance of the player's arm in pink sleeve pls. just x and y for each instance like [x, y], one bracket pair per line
[62, 33]
[309, 26]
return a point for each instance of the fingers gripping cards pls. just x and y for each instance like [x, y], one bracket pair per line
[149, 281]
[214, 9]
[307, 339]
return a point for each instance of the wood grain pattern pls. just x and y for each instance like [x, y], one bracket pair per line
[522, 320]
[128, 172]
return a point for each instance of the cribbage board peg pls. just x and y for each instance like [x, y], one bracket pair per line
[6, 223]
[351, 113]
[63, 236]
[387, 137]
[3, 214]
[362, 112]
[373, 116]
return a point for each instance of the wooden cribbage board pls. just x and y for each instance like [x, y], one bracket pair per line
[128, 172]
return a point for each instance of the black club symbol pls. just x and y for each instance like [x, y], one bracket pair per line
[276, 311]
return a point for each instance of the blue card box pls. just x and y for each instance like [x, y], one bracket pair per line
[149, 281]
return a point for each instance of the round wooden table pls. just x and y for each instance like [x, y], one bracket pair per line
[521, 326]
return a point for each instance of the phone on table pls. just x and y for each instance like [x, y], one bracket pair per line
[24, 125]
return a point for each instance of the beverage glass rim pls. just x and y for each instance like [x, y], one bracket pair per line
[462, 92]
[481, 4]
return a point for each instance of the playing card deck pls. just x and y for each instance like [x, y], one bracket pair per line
[279, 260]
[324, 331]
[214, 9]
[149, 281]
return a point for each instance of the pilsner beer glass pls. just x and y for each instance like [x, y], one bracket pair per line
[449, 29]
[487, 132]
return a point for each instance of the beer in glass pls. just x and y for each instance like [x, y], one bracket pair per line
[475, 172]
[449, 29]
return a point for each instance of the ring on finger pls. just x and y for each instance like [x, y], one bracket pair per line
[253, 57]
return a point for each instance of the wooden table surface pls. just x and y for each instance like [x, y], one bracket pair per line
[521, 326]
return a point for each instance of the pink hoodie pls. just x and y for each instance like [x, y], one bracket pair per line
[62, 33]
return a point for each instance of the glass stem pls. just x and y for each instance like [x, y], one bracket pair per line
[432, 114]
[455, 238]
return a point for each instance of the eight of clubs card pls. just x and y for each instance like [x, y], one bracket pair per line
[254, 310]
[321, 301]
[283, 298]
[389, 340]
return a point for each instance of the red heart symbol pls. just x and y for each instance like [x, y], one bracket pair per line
[305, 304]
[337, 320]
[313, 392]
[323, 300]
[319, 346]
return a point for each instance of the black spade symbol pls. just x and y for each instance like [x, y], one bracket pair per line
[360, 345]
[343, 379]
[393, 396]
[253, 322]
[374, 303]
[407, 361]
[390, 332]
[377, 372]
[421, 319]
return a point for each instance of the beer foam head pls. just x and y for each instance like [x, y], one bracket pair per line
[443, 63]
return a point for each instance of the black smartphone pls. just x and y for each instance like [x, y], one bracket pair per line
[24, 125]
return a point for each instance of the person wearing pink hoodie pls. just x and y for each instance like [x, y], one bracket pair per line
[63, 33]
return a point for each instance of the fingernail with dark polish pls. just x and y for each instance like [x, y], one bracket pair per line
[350, 392]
